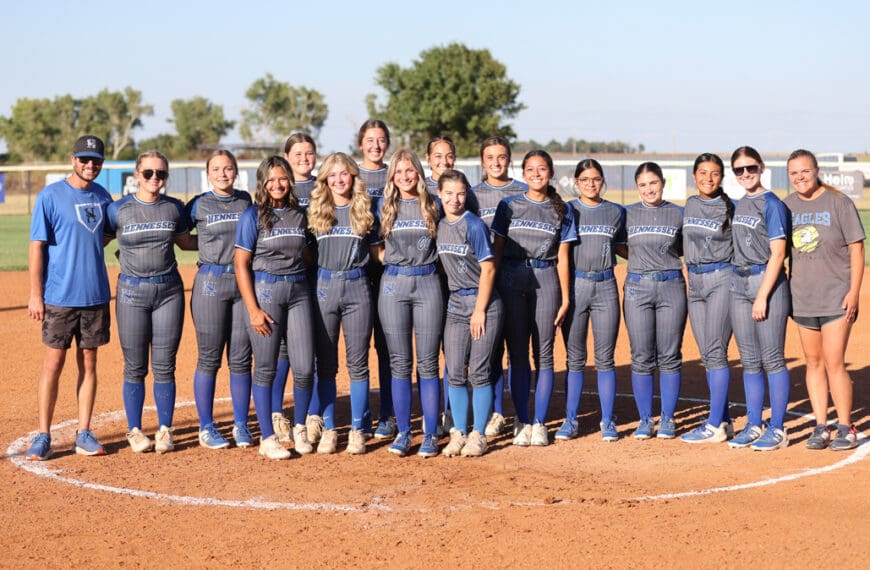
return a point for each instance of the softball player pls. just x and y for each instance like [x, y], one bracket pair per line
[474, 313]
[654, 301]
[708, 251]
[600, 227]
[373, 140]
[760, 301]
[150, 295]
[66, 243]
[441, 156]
[300, 151]
[340, 216]
[827, 267]
[409, 301]
[272, 251]
[495, 158]
[533, 234]
[215, 303]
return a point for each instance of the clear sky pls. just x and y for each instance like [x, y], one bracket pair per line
[673, 75]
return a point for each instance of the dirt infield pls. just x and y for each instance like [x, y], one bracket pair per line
[583, 503]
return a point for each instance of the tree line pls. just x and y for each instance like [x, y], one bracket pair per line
[452, 90]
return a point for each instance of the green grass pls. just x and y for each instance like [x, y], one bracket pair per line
[15, 233]
[15, 238]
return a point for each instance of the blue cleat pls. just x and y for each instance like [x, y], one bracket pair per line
[401, 444]
[746, 437]
[645, 429]
[667, 428]
[773, 438]
[428, 448]
[87, 444]
[386, 429]
[242, 435]
[40, 449]
[608, 430]
[211, 438]
[569, 430]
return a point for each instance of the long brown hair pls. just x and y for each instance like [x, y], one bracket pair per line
[265, 211]
[390, 208]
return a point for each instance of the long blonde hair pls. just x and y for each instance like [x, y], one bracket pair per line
[321, 207]
[390, 209]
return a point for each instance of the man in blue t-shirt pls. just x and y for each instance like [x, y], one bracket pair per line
[69, 289]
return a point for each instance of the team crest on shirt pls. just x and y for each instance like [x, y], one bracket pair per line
[462, 266]
[805, 239]
[89, 215]
[545, 247]
[424, 243]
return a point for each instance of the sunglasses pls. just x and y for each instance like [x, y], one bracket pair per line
[160, 174]
[751, 169]
[89, 159]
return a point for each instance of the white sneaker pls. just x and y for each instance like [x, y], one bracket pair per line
[495, 426]
[356, 442]
[457, 442]
[138, 441]
[314, 425]
[328, 442]
[539, 435]
[271, 448]
[281, 427]
[522, 434]
[300, 440]
[163, 441]
[475, 445]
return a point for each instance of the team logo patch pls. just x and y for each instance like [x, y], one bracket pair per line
[264, 295]
[663, 249]
[462, 266]
[805, 239]
[322, 294]
[209, 288]
[630, 293]
[389, 287]
[424, 243]
[126, 296]
[545, 247]
[90, 215]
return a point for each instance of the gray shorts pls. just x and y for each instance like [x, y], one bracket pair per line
[816, 323]
[88, 325]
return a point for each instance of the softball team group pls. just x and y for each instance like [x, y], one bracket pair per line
[430, 264]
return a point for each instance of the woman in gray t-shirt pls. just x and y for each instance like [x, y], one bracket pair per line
[827, 266]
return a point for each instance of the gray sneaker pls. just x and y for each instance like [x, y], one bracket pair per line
[846, 438]
[820, 437]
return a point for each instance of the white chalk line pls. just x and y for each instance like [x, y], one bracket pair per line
[15, 454]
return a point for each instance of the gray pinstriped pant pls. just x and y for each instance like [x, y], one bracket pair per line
[531, 300]
[655, 315]
[598, 301]
[219, 318]
[347, 305]
[710, 315]
[761, 343]
[468, 359]
[412, 304]
[149, 314]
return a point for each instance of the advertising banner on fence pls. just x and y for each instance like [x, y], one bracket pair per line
[849, 183]
[2, 188]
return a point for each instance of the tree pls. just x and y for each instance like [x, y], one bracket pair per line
[198, 122]
[451, 90]
[113, 115]
[278, 108]
[41, 129]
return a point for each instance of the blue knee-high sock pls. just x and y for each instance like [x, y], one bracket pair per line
[359, 395]
[780, 385]
[134, 399]
[240, 390]
[458, 396]
[498, 391]
[301, 399]
[430, 401]
[573, 389]
[327, 394]
[481, 402]
[607, 392]
[642, 386]
[263, 406]
[519, 382]
[203, 395]
[445, 383]
[315, 406]
[718, 381]
[164, 398]
[401, 391]
[282, 371]
[753, 386]
[543, 392]
[669, 383]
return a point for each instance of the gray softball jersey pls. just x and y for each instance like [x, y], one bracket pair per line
[302, 189]
[432, 186]
[215, 218]
[532, 229]
[278, 251]
[484, 198]
[706, 232]
[822, 230]
[409, 243]
[340, 249]
[598, 229]
[146, 233]
[375, 181]
[462, 245]
[758, 220]
[655, 237]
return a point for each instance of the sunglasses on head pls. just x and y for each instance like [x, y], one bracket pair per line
[751, 169]
[160, 174]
